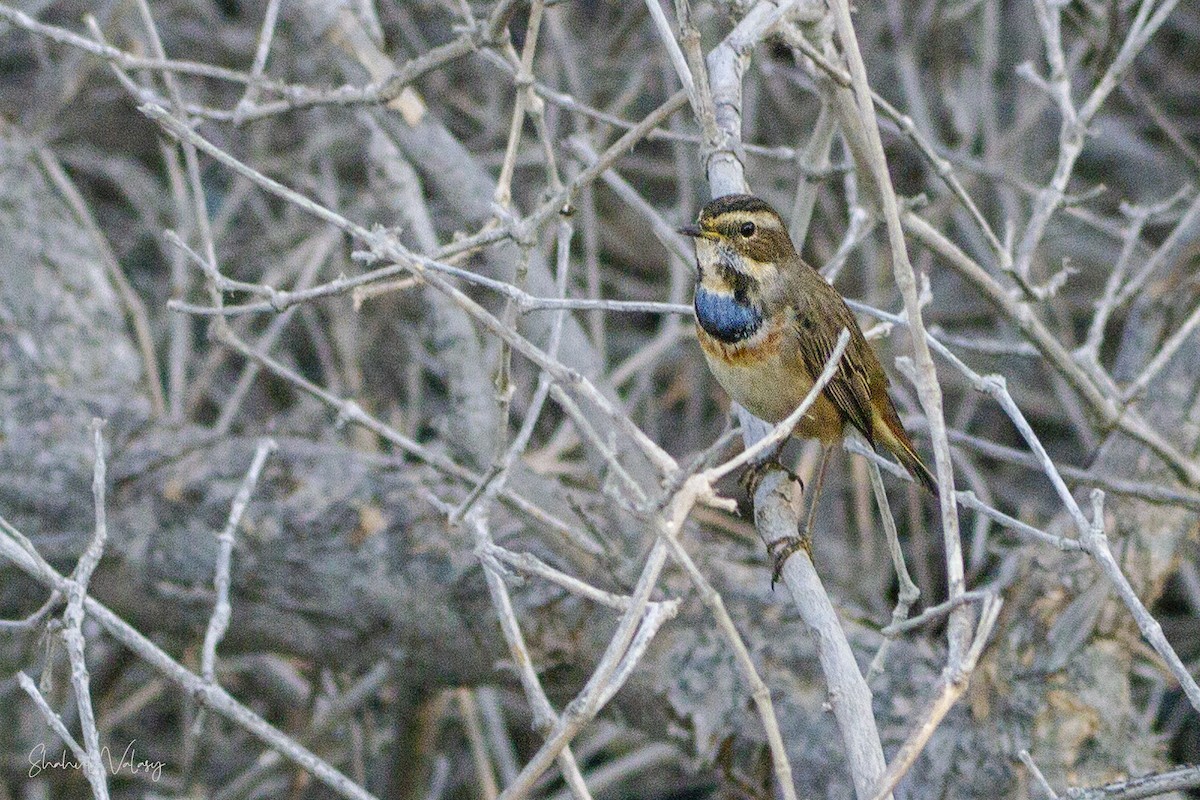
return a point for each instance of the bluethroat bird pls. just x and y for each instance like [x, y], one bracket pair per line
[768, 322]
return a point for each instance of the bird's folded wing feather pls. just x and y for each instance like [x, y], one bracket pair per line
[849, 390]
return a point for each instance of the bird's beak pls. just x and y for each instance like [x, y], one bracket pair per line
[692, 230]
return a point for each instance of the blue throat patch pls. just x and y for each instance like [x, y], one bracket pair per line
[723, 317]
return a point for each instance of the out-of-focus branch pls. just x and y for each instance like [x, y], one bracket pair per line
[15, 548]
[1141, 787]
[1105, 408]
[1075, 122]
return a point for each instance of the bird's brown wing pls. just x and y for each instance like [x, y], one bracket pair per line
[859, 388]
[819, 318]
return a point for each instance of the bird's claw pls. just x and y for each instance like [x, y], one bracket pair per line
[781, 550]
[752, 477]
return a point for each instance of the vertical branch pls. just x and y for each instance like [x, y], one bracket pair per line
[525, 95]
[954, 682]
[674, 52]
[270, 18]
[928, 387]
[218, 623]
[99, 787]
[813, 158]
[544, 717]
[493, 482]
[135, 309]
[908, 593]
[601, 684]
[191, 162]
[468, 712]
[702, 101]
[485, 493]
[760, 693]
[179, 348]
[724, 161]
[1095, 542]
[73, 621]
[849, 695]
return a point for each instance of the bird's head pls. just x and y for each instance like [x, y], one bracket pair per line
[743, 234]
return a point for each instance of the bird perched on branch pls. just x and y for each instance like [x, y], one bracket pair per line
[768, 322]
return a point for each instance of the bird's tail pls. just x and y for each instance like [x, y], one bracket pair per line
[891, 434]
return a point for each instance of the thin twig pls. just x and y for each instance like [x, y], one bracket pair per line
[955, 680]
[1038, 777]
[218, 622]
[76, 591]
[908, 592]
[213, 697]
[468, 713]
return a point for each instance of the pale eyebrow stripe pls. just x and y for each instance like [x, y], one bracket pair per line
[764, 219]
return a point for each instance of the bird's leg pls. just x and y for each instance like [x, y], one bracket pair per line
[816, 495]
[783, 549]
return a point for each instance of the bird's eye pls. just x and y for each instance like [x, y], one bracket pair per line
[747, 230]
